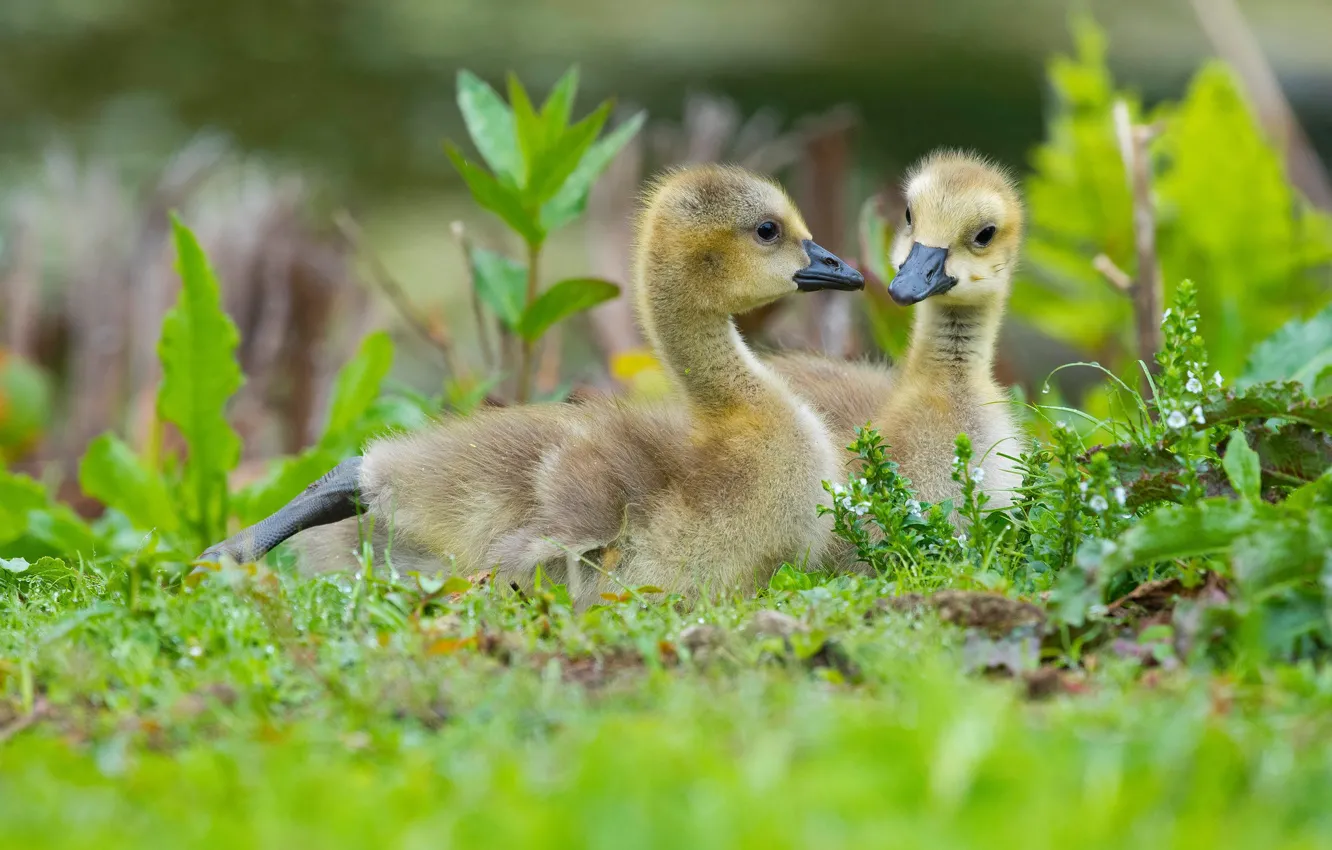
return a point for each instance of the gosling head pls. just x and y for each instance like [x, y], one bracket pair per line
[726, 241]
[962, 231]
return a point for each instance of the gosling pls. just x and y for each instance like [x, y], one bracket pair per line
[708, 495]
[954, 255]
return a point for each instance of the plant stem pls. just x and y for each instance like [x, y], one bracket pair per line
[525, 365]
[1147, 291]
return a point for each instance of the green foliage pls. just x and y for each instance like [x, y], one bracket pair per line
[544, 166]
[562, 300]
[199, 375]
[113, 474]
[32, 524]
[877, 513]
[544, 169]
[1226, 215]
[1300, 351]
[352, 418]
[25, 404]
[500, 284]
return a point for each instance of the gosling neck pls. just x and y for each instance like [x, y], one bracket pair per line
[954, 343]
[703, 352]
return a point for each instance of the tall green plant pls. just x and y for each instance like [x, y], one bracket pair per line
[1227, 217]
[541, 170]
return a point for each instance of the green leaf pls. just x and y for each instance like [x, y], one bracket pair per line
[357, 386]
[284, 481]
[463, 397]
[456, 584]
[559, 103]
[1243, 468]
[490, 124]
[113, 474]
[571, 199]
[1299, 351]
[500, 200]
[501, 284]
[353, 415]
[531, 132]
[1174, 532]
[561, 301]
[561, 157]
[48, 570]
[1322, 385]
[19, 494]
[199, 375]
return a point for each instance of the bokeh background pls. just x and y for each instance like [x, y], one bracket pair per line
[302, 141]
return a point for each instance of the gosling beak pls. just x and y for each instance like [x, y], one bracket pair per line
[826, 271]
[921, 275]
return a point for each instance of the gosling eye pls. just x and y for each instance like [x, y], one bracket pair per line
[908, 210]
[986, 234]
[768, 231]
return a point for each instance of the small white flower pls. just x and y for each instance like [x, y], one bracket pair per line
[1194, 385]
[195, 651]
[862, 508]
[1176, 420]
[839, 490]
[1121, 495]
[912, 506]
[1216, 378]
[1166, 316]
[846, 502]
[1098, 503]
[1061, 424]
[978, 475]
[1198, 415]
[962, 537]
[864, 483]
[1082, 487]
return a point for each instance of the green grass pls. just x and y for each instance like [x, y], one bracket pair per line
[278, 711]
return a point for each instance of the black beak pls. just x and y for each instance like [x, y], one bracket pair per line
[921, 275]
[826, 271]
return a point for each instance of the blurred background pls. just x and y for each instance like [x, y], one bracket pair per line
[303, 142]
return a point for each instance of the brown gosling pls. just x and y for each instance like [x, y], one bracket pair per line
[955, 256]
[710, 495]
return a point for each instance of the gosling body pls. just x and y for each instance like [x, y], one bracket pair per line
[708, 495]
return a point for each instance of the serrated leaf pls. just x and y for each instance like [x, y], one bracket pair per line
[1175, 532]
[111, 473]
[199, 375]
[490, 124]
[1269, 400]
[531, 132]
[571, 199]
[561, 301]
[501, 284]
[1242, 467]
[559, 103]
[47, 570]
[561, 157]
[1300, 351]
[357, 386]
[14, 565]
[500, 200]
